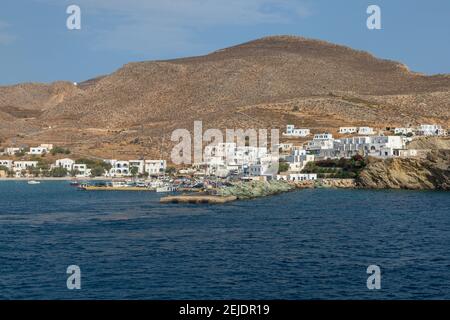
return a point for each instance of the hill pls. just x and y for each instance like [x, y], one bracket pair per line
[264, 83]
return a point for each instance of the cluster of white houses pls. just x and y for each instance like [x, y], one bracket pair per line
[39, 150]
[228, 159]
[118, 168]
[225, 159]
[421, 130]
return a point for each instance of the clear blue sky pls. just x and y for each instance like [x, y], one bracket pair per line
[36, 46]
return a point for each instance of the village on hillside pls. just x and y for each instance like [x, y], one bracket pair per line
[305, 161]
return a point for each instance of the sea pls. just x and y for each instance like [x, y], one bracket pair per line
[307, 244]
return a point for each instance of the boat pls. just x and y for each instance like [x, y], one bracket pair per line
[165, 188]
[113, 186]
[34, 182]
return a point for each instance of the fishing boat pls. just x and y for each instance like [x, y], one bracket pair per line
[165, 188]
[34, 182]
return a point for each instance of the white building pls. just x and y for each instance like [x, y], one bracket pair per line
[155, 167]
[12, 151]
[38, 150]
[403, 131]
[293, 132]
[224, 159]
[298, 159]
[24, 165]
[431, 130]
[366, 130]
[378, 146]
[118, 168]
[265, 166]
[65, 163]
[285, 147]
[82, 170]
[348, 130]
[321, 141]
[139, 164]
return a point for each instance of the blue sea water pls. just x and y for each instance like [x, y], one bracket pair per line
[309, 244]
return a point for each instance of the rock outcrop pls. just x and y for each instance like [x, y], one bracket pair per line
[415, 174]
[336, 183]
[255, 189]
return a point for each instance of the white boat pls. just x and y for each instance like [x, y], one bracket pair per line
[166, 188]
[34, 182]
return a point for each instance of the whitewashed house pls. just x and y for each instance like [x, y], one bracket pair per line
[139, 164]
[298, 159]
[82, 170]
[285, 147]
[24, 165]
[155, 167]
[65, 163]
[366, 131]
[38, 150]
[119, 168]
[225, 159]
[266, 166]
[12, 151]
[378, 146]
[320, 143]
[348, 130]
[293, 132]
[431, 130]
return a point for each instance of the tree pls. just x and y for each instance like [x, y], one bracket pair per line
[134, 171]
[34, 171]
[58, 172]
[97, 171]
[59, 150]
[170, 170]
[20, 153]
[74, 173]
[6, 170]
[283, 166]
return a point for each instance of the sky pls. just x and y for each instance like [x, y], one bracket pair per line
[37, 46]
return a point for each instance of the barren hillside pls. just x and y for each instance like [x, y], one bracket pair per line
[264, 83]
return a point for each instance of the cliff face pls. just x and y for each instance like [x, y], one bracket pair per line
[430, 173]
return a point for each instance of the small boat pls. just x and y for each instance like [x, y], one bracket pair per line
[34, 182]
[74, 183]
[165, 188]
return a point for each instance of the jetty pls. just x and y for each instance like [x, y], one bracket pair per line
[198, 198]
[111, 188]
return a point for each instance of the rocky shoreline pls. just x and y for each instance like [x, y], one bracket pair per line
[431, 173]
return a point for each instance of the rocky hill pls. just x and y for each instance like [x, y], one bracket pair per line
[265, 83]
[417, 174]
